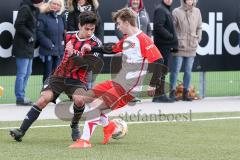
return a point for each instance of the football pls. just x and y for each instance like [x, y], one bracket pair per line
[121, 129]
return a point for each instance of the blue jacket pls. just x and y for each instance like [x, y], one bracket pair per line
[50, 34]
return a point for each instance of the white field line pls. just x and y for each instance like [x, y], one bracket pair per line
[136, 122]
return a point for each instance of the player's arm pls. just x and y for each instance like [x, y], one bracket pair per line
[91, 61]
[108, 48]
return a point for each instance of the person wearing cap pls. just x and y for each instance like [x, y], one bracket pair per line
[23, 46]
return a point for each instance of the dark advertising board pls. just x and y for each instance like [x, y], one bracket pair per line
[218, 51]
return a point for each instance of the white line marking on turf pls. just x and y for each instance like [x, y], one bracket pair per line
[138, 122]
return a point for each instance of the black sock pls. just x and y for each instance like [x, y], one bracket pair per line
[31, 116]
[78, 111]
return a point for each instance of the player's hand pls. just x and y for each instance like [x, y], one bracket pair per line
[86, 48]
[151, 91]
[108, 47]
[69, 48]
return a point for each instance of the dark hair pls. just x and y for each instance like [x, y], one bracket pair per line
[184, 1]
[87, 17]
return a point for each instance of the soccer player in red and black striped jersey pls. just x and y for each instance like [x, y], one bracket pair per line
[70, 75]
[139, 55]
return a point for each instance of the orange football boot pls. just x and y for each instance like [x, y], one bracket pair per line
[80, 143]
[108, 131]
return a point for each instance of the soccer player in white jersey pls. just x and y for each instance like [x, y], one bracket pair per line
[138, 50]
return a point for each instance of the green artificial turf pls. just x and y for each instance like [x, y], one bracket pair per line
[195, 140]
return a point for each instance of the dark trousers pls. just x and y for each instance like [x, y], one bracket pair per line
[49, 65]
[163, 86]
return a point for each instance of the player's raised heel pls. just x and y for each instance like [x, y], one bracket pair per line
[17, 134]
[108, 131]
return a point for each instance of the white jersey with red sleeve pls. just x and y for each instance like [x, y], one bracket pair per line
[137, 51]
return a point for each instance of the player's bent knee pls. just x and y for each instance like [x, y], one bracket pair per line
[44, 99]
[78, 101]
[41, 103]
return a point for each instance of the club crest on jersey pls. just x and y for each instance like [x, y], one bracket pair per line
[128, 44]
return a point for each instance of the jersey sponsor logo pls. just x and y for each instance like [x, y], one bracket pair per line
[149, 47]
[96, 54]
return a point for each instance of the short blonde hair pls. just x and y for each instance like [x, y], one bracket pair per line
[125, 14]
[62, 5]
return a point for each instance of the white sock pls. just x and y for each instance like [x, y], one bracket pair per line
[104, 119]
[92, 120]
[88, 128]
[90, 125]
[94, 117]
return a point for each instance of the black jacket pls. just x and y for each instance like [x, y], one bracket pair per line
[238, 15]
[163, 28]
[72, 21]
[25, 25]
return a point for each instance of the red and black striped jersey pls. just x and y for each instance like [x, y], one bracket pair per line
[67, 68]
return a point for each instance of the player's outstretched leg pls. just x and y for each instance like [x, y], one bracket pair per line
[32, 115]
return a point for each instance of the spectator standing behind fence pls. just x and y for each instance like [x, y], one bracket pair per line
[23, 46]
[143, 21]
[188, 24]
[50, 34]
[166, 40]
